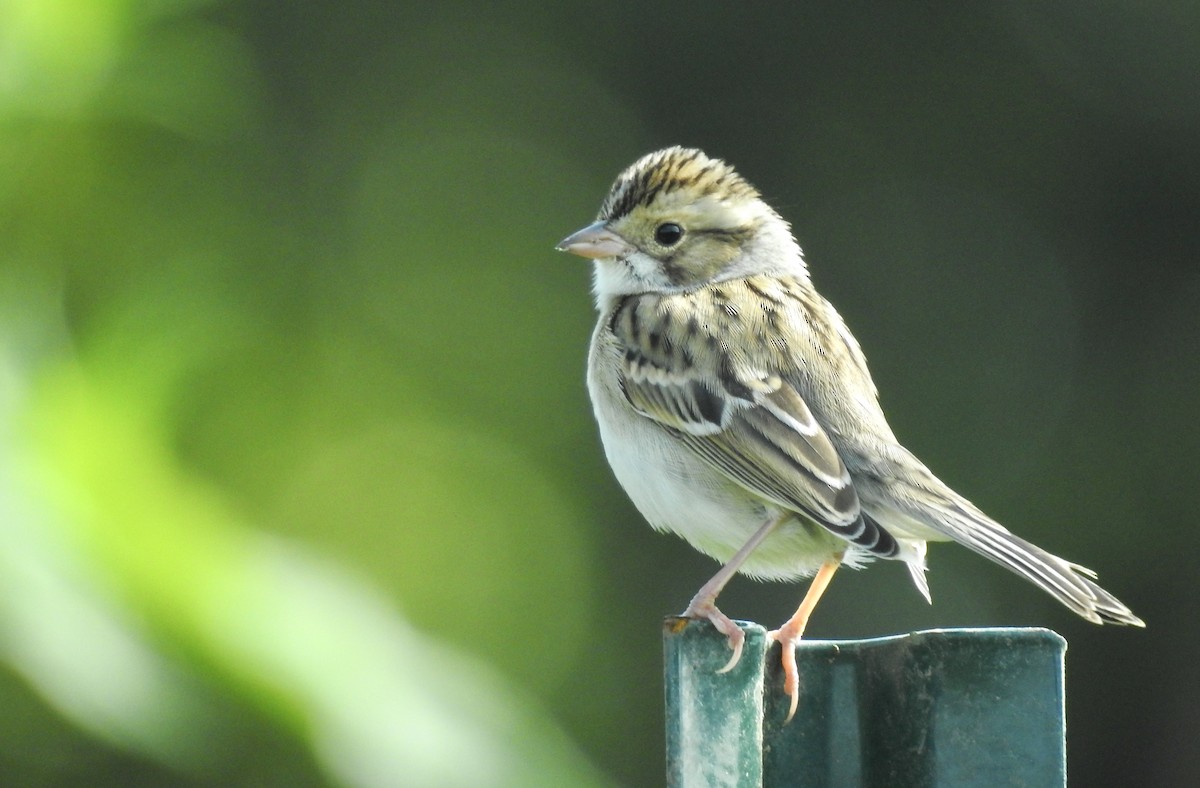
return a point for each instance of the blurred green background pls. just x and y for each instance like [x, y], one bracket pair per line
[299, 483]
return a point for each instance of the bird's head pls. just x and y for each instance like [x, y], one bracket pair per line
[676, 220]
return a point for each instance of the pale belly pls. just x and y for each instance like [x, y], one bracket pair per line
[676, 491]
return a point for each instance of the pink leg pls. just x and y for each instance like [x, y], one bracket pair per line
[789, 634]
[704, 603]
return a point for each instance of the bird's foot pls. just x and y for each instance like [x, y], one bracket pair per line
[787, 637]
[706, 609]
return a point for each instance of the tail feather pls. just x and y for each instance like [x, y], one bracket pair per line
[1069, 583]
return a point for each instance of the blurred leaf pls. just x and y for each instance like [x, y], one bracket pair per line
[321, 654]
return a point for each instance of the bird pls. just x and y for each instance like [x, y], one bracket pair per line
[737, 411]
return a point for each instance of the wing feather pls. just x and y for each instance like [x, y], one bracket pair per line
[742, 418]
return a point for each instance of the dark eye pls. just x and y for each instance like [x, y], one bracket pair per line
[668, 233]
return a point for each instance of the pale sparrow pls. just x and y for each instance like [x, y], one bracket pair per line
[737, 411]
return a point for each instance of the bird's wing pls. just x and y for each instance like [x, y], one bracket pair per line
[753, 427]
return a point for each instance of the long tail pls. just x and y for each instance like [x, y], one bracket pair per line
[1067, 582]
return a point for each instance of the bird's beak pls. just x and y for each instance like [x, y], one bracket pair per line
[595, 241]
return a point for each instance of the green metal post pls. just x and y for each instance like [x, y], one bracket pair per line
[962, 707]
[714, 720]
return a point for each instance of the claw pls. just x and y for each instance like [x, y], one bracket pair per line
[723, 624]
[736, 640]
[791, 675]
